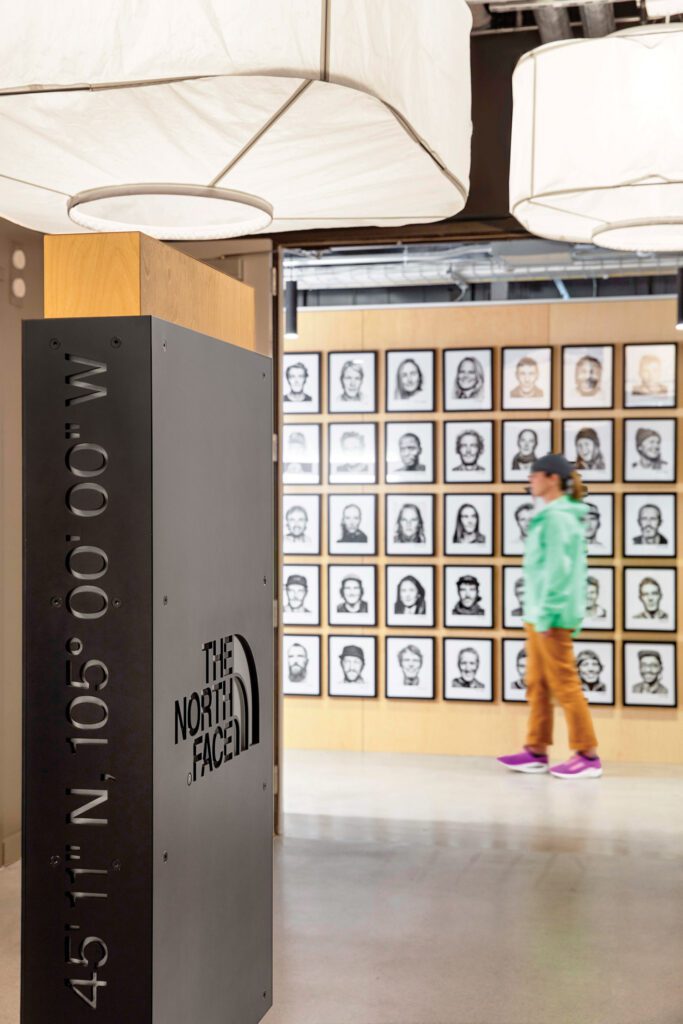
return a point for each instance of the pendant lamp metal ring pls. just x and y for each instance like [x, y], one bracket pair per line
[258, 211]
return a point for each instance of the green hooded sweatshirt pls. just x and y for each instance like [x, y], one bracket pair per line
[555, 566]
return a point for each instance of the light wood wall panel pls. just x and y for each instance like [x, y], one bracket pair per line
[129, 274]
[457, 727]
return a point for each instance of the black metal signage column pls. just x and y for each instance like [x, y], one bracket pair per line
[148, 675]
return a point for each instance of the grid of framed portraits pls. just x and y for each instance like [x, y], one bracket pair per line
[409, 489]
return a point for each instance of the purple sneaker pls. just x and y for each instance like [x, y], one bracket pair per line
[525, 761]
[578, 767]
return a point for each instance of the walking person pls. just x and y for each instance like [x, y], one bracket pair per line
[555, 575]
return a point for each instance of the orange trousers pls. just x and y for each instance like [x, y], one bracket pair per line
[551, 673]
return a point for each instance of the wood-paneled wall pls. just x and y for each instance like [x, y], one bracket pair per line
[459, 727]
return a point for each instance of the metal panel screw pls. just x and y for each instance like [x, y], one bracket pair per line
[163, 346]
[265, 786]
[165, 857]
[116, 864]
[116, 343]
[116, 602]
[189, 778]
[55, 343]
[264, 581]
[55, 860]
[265, 995]
[165, 599]
[56, 602]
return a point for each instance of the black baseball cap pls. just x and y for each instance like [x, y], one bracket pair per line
[553, 464]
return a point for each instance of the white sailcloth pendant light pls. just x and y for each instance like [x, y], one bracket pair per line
[597, 140]
[191, 119]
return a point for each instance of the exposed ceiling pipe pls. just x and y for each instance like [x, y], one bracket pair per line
[462, 273]
[597, 19]
[553, 23]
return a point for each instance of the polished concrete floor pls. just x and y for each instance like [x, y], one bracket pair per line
[440, 890]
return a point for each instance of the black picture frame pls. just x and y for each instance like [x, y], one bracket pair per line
[353, 426]
[628, 476]
[592, 642]
[601, 570]
[298, 408]
[447, 400]
[412, 621]
[563, 370]
[468, 427]
[590, 499]
[652, 571]
[351, 499]
[648, 550]
[332, 407]
[518, 644]
[409, 428]
[521, 425]
[408, 353]
[411, 497]
[506, 614]
[351, 638]
[570, 455]
[298, 637]
[488, 618]
[352, 569]
[390, 641]
[451, 497]
[545, 405]
[289, 568]
[650, 346]
[476, 643]
[298, 495]
[312, 481]
[648, 644]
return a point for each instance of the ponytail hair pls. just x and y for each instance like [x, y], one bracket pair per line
[576, 487]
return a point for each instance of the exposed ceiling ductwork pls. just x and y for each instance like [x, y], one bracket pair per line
[466, 265]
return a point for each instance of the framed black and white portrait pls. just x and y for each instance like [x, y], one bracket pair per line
[650, 674]
[468, 596]
[513, 597]
[650, 450]
[527, 378]
[468, 379]
[468, 524]
[650, 599]
[468, 451]
[301, 383]
[468, 669]
[352, 595]
[409, 669]
[301, 453]
[650, 525]
[599, 524]
[352, 524]
[352, 382]
[524, 441]
[410, 380]
[409, 524]
[301, 524]
[409, 450]
[650, 376]
[300, 665]
[301, 595]
[410, 596]
[353, 453]
[517, 512]
[352, 666]
[595, 666]
[587, 376]
[514, 671]
[589, 445]
[599, 612]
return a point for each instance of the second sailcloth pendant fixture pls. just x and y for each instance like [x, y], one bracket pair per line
[191, 119]
[597, 140]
